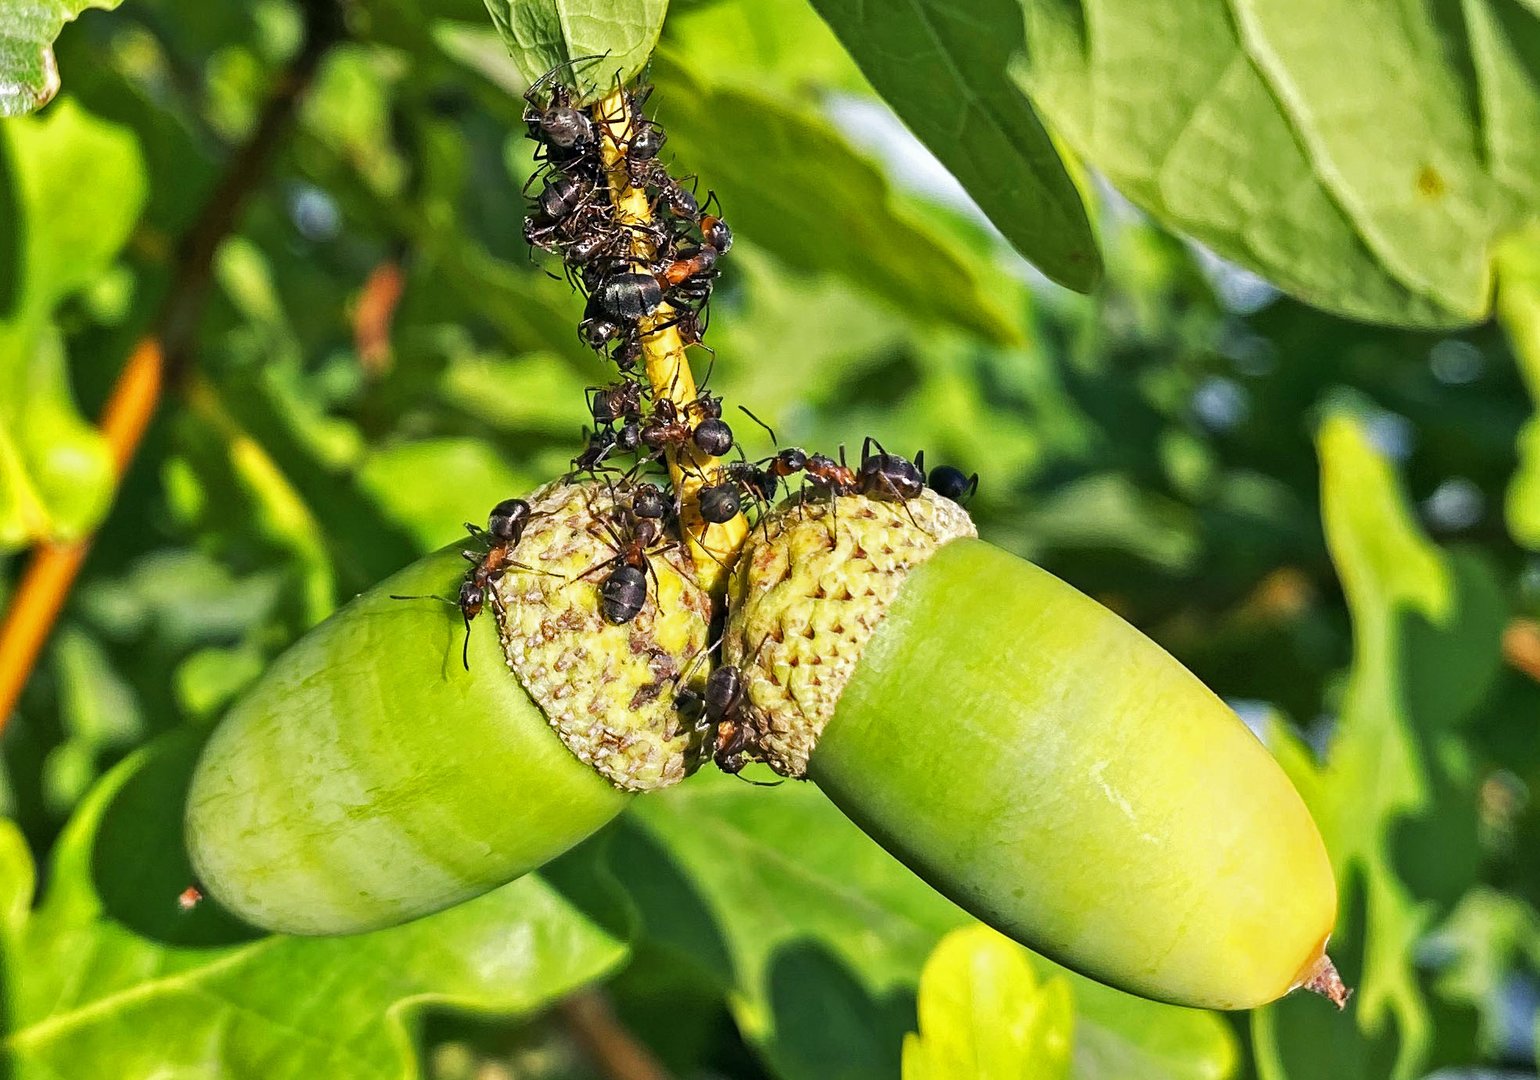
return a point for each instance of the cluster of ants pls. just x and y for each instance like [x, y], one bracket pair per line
[630, 272]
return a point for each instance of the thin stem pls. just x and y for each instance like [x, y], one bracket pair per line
[713, 548]
[612, 1049]
[162, 355]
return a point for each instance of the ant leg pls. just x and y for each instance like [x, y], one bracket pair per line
[465, 649]
[427, 596]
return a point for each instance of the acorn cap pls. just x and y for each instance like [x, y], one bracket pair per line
[607, 689]
[369, 778]
[812, 584]
[1044, 765]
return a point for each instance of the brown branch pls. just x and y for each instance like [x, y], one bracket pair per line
[611, 1049]
[164, 354]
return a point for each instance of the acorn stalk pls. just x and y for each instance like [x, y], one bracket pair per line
[1029, 754]
[370, 776]
[714, 547]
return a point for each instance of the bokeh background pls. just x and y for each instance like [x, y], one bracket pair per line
[1325, 519]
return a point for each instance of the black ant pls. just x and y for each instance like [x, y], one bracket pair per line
[883, 474]
[601, 443]
[720, 703]
[949, 482]
[623, 592]
[505, 528]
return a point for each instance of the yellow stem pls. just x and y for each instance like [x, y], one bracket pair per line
[713, 547]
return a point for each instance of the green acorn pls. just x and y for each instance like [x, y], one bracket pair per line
[370, 777]
[1028, 753]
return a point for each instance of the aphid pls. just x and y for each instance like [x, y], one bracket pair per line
[555, 123]
[647, 143]
[563, 195]
[723, 700]
[599, 446]
[949, 482]
[665, 429]
[648, 501]
[618, 401]
[713, 436]
[628, 297]
[719, 503]
[678, 201]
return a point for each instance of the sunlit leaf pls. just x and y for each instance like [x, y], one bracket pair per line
[1394, 798]
[983, 1014]
[1518, 309]
[542, 34]
[107, 977]
[29, 74]
[70, 190]
[1363, 158]
[942, 67]
[818, 937]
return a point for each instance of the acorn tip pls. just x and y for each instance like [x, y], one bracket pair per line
[1324, 980]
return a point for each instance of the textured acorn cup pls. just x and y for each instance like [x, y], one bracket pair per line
[368, 778]
[1030, 755]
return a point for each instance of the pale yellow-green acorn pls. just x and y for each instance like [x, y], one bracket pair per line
[369, 778]
[1028, 753]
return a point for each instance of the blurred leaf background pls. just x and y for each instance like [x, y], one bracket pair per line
[1324, 500]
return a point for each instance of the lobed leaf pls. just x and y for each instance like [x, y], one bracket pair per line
[984, 1014]
[1366, 160]
[108, 978]
[29, 74]
[817, 937]
[943, 68]
[1394, 799]
[71, 187]
[1518, 309]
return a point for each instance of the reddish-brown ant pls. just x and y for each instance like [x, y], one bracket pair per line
[505, 528]
[623, 592]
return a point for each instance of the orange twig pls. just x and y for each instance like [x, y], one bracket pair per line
[46, 583]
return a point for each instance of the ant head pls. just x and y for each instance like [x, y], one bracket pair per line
[472, 595]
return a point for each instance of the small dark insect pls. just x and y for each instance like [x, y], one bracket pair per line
[678, 201]
[786, 462]
[628, 438]
[949, 482]
[563, 195]
[600, 444]
[623, 592]
[719, 503]
[715, 233]
[628, 297]
[647, 143]
[665, 429]
[618, 401]
[713, 436]
[885, 475]
[554, 122]
[505, 528]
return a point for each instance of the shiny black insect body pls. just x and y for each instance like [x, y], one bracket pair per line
[888, 476]
[629, 296]
[719, 503]
[713, 436]
[949, 482]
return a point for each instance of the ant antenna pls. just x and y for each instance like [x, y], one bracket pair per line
[768, 429]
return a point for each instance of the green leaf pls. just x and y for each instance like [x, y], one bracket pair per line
[540, 34]
[99, 713]
[942, 67]
[1365, 159]
[792, 183]
[817, 936]
[983, 1014]
[1518, 309]
[29, 75]
[108, 978]
[1395, 797]
[71, 188]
